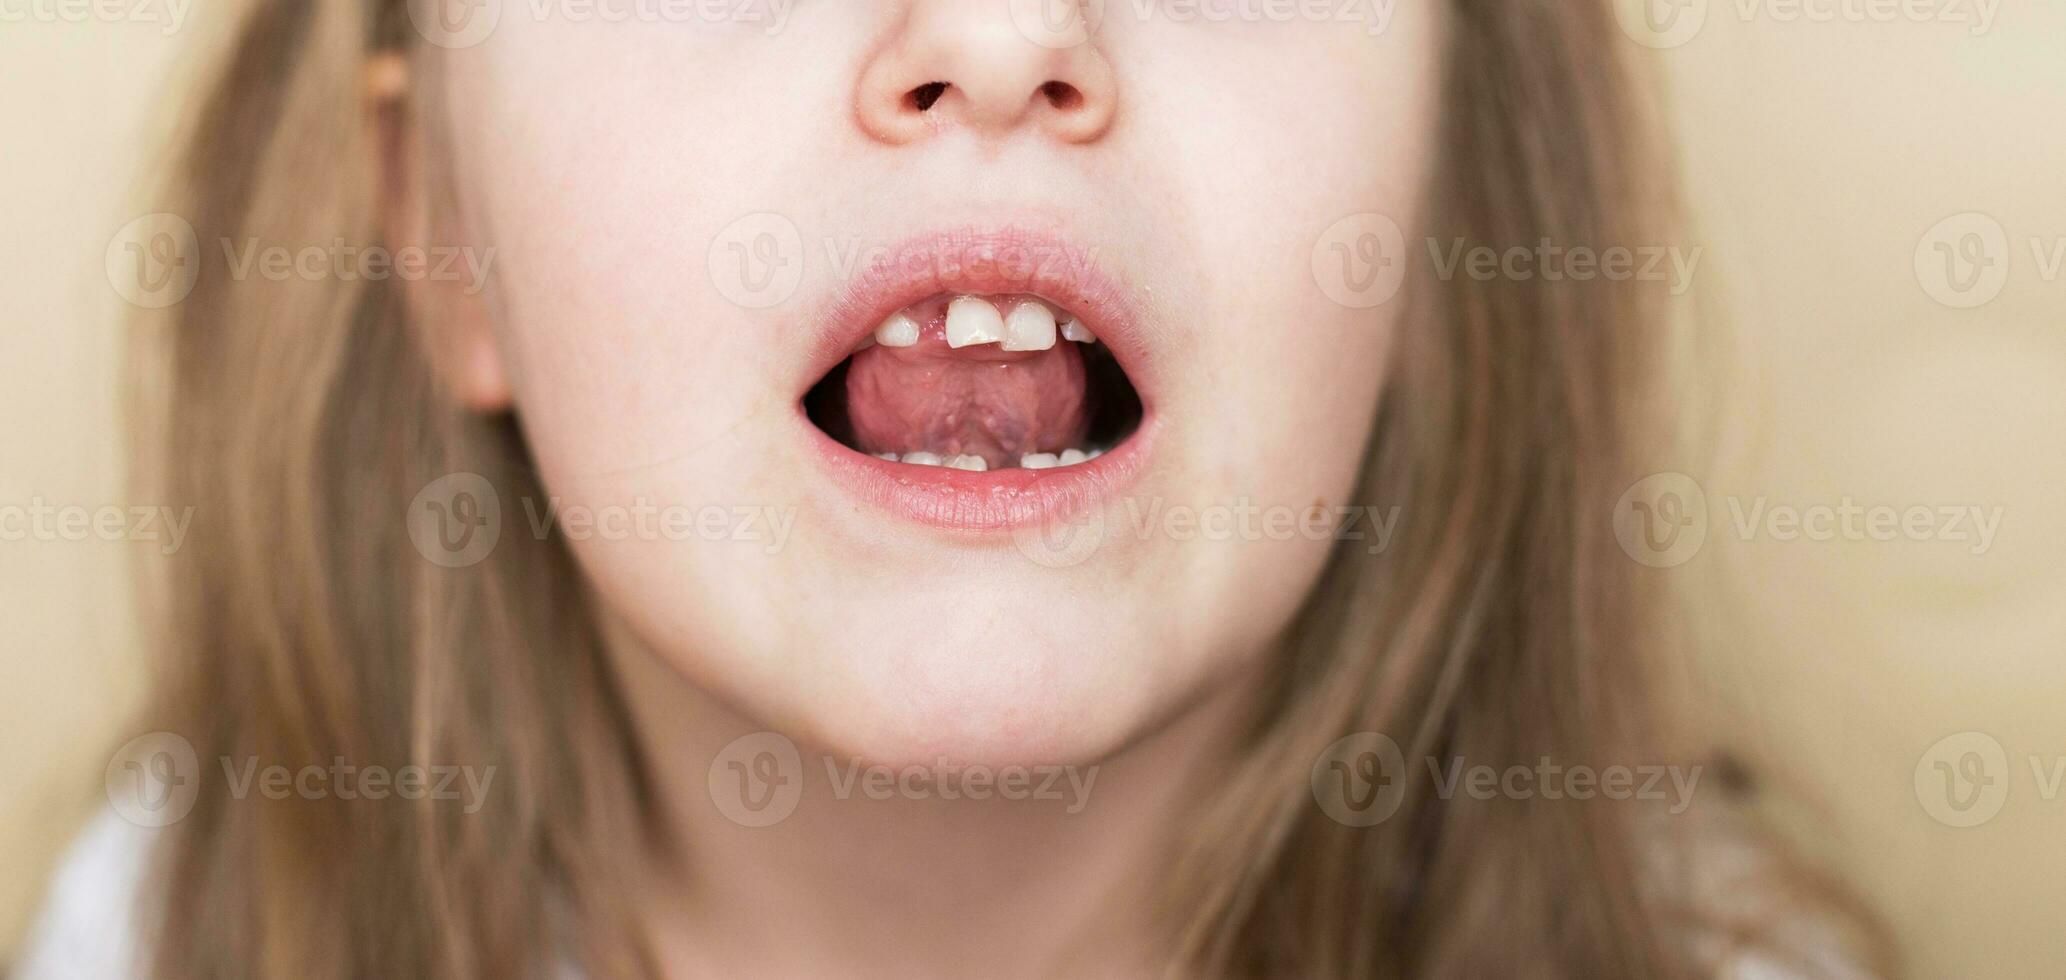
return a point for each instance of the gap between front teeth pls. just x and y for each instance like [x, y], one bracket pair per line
[973, 320]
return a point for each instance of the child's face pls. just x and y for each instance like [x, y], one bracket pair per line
[689, 219]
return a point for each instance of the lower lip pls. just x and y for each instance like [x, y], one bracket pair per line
[959, 500]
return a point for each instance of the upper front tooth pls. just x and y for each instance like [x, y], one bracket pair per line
[897, 331]
[1031, 326]
[972, 320]
[1074, 329]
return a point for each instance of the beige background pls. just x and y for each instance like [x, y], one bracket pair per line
[1818, 156]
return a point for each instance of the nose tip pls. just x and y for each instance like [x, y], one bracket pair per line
[971, 63]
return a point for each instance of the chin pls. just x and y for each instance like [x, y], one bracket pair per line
[1014, 686]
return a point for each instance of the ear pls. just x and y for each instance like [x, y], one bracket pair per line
[450, 315]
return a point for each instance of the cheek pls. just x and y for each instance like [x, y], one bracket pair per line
[602, 173]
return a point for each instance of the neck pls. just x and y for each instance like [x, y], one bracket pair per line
[952, 872]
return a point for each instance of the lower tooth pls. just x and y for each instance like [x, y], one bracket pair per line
[922, 459]
[974, 464]
[888, 457]
[1039, 461]
[1071, 457]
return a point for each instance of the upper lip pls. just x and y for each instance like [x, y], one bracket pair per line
[980, 261]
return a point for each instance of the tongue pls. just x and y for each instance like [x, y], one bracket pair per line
[978, 401]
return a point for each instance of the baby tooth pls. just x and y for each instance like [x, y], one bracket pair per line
[1070, 457]
[897, 331]
[972, 320]
[1039, 461]
[922, 459]
[1074, 330]
[974, 464]
[886, 457]
[1031, 326]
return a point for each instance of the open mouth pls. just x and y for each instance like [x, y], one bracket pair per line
[979, 382]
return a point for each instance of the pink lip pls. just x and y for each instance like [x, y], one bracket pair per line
[1010, 260]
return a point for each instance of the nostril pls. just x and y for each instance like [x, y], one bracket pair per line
[1062, 95]
[923, 97]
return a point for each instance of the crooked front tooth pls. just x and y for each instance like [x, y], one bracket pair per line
[973, 464]
[1031, 326]
[922, 459]
[972, 320]
[1073, 329]
[897, 331]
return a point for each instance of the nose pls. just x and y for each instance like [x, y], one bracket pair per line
[997, 66]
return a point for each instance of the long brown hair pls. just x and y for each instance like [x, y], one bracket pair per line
[300, 417]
